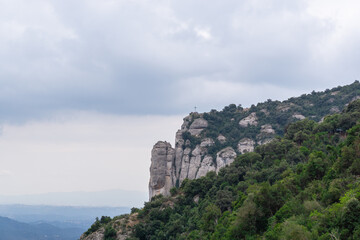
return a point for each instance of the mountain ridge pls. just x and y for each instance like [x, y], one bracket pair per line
[14, 230]
[303, 184]
[209, 141]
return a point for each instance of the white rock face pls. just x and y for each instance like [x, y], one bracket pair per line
[206, 166]
[195, 164]
[207, 142]
[224, 158]
[298, 116]
[221, 138]
[266, 135]
[184, 170]
[249, 120]
[162, 158]
[171, 166]
[267, 129]
[246, 145]
[198, 126]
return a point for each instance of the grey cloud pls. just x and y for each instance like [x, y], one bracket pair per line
[130, 57]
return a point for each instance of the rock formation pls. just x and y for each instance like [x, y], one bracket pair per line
[266, 134]
[198, 126]
[249, 120]
[123, 228]
[298, 116]
[209, 141]
[221, 138]
[162, 158]
[171, 166]
[224, 158]
[246, 145]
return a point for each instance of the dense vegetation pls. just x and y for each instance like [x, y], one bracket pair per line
[313, 106]
[302, 186]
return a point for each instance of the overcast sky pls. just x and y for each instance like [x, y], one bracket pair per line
[87, 87]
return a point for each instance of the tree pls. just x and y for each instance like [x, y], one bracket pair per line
[210, 217]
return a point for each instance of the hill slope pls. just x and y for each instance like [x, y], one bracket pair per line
[209, 141]
[304, 185]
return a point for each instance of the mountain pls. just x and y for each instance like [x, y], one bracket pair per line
[13, 230]
[209, 141]
[59, 216]
[303, 184]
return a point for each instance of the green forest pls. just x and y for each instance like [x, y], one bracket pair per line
[303, 185]
[278, 114]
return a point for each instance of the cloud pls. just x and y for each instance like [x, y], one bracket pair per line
[203, 33]
[136, 57]
[5, 173]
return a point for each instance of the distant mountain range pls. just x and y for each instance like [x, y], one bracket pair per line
[50, 222]
[14, 230]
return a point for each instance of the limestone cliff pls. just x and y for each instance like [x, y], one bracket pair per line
[162, 158]
[191, 157]
[170, 166]
[210, 141]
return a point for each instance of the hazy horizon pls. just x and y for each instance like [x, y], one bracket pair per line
[105, 198]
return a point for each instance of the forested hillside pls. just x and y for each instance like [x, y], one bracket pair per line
[304, 185]
[208, 141]
[274, 114]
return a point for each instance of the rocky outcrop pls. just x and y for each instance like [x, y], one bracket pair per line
[221, 138]
[249, 120]
[298, 116]
[224, 158]
[123, 228]
[205, 141]
[266, 135]
[171, 166]
[198, 126]
[98, 235]
[267, 129]
[194, 164]
[246, 145]
[162, 158]
[206, 166]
